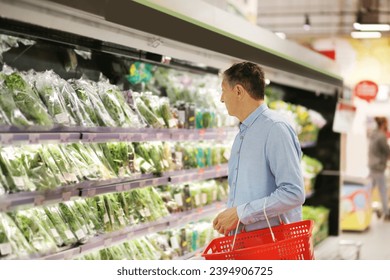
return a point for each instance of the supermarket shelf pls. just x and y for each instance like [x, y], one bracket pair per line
[132, 232]
[21, 200]
[12, 136]
[199, 174]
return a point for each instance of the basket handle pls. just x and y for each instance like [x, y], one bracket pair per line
[268, 223]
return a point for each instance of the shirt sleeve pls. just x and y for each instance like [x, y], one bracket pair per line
[283, 156]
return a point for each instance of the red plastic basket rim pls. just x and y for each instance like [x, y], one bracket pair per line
[308, 235]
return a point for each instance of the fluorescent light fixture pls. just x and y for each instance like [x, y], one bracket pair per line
[371, 27]
[281, 35]
[366, 35]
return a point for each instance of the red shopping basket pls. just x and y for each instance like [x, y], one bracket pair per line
[291, 242]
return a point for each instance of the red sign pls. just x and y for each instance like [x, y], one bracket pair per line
[366, 90]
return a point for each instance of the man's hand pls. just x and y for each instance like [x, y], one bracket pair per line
[226, 221]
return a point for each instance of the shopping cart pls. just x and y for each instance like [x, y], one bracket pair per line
[283, 242]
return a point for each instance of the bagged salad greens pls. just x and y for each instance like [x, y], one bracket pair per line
[73, 220]
[27, 100]
[38, 171]
[74, 105]
[10, 113]
[113, 105]
[12, 242]
[143, 105]
[49, 87]
[131, 117]
[33, 231]
[87, 93]
[63, 229]
[12, 166]
[47, 224]
[69, 171]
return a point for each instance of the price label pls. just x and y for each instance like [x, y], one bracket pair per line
[38, 200]
[4, 205]
[66, 196]
[5, 249]
[90, 137]
[33, 138]
[201, 171]
[119, 188]
[64, 137]
[91, 192]
[107, 242]
[6, 138]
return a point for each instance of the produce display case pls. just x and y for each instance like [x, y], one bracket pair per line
[68, 33]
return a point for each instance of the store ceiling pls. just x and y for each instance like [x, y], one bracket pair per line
[330, 18]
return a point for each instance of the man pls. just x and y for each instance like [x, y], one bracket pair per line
[378, 155]
[264, 166]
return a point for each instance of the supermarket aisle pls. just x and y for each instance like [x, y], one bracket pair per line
[374, 242]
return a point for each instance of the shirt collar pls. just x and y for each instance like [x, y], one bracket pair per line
[254, 115]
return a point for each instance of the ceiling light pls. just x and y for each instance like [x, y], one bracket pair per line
[371, 27]
[366, 35]
[307, 24]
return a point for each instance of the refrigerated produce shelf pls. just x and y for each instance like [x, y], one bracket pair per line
[13, 136]
[20, 200]
[132, 232]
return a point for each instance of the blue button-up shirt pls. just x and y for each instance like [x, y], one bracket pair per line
[265, 163]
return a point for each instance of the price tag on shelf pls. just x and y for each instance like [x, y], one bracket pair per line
[4, 205]
[151, 229]
[218, 168]
[119, 188]
[38, 200]
[89, 137]
[107, 242]
[91, 192]
[6, 138]
[64, 137]
[201, 171]
[33, 138]
[66, 196]
[130, 235]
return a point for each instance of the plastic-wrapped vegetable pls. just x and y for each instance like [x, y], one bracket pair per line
[33, 231]
[74, 105]
[71, 219]
[11, 161]
[69, 172]
[28, 100]
[86, 225]
[10, 113]
[49, 88]
[117, 153]
[132, 119]
[89, 215]
[61, 226]
[98, 205]
[88, 95]
[147, 114]
[47, 224]
[37, 169]
[113, 106]
[52, 164]
[86, 170]
[13, 243]
[97, 155]
[115, 212]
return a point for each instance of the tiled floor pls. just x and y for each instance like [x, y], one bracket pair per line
[374, 243]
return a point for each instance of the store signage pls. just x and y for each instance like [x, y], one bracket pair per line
[344, 117]
[366, 90]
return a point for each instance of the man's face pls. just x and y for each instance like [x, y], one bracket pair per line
[229, 97]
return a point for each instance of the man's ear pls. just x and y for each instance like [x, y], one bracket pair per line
[239, 89]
